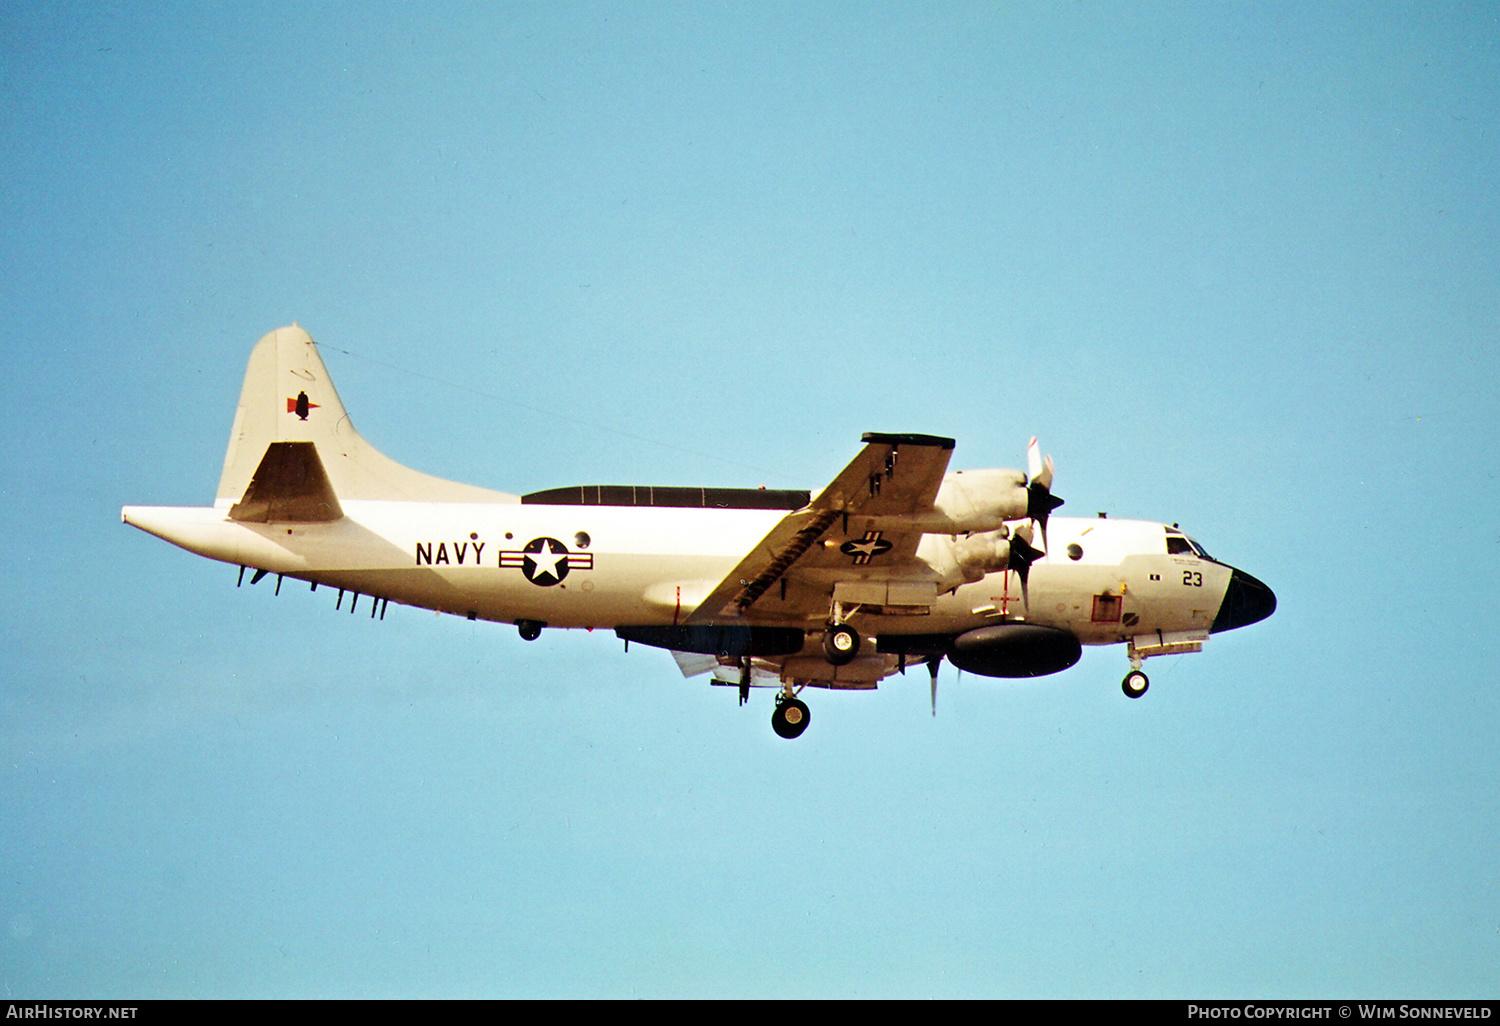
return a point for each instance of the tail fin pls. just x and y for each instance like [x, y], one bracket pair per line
[288, 398]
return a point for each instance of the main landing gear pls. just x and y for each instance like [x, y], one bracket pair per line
[790, 717]
[840, 644]
[840, 647]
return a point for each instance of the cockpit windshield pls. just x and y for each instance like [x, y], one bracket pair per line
[1182, 545]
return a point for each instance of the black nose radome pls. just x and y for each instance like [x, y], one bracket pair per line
[1246, 601]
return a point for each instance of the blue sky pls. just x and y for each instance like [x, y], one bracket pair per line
[1235, 265]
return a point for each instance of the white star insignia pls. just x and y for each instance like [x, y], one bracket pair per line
[545, 562]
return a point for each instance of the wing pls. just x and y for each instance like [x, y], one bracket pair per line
[851, 543]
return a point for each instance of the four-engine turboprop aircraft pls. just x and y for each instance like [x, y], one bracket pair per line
[898, 561]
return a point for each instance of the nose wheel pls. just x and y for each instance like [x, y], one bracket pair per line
[790, 717]
[1135, 684]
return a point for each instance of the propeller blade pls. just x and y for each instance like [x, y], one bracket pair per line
[1022, 555]
[932, 666]
[1040, 502]
[1037, 468]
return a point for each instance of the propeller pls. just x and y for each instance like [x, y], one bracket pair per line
[1022, 555]
[932, 666]
[1040, 502]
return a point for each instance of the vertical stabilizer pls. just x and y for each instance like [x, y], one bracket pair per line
[288, 397]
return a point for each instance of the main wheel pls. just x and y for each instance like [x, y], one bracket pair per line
[1135, 684]
[840, 643]
[790, 717]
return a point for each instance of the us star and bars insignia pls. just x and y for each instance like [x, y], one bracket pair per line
[546, 561]
[864, 549]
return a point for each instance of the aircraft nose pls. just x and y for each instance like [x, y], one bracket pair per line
[1246, 601]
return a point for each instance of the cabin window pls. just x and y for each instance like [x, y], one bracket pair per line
[1177, 545]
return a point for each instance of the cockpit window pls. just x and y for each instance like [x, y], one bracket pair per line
[1179, 544]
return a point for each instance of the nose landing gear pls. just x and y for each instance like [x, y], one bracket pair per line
[1135, 683]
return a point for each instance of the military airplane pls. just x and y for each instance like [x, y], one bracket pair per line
[898, 562]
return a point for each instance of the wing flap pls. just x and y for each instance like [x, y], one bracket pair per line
[694, 663]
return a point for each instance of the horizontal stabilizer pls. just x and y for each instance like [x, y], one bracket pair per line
[289, 486]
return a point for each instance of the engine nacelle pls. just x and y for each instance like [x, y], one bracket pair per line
[979, 500]
[1014, 650]
[966, 559]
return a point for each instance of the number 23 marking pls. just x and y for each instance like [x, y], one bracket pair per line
[1192, 579]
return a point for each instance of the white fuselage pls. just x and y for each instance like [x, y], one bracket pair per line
[608, 566]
